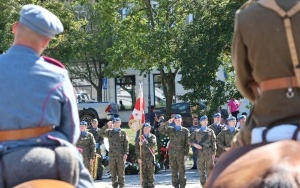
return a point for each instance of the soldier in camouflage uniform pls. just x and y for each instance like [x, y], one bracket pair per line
[118, 150]
[86, 145]
[204, 139]
[225, 137]
[99, 140]
[194, 127]
[178, 149]
[217, 128]
[241, 121]
[147, 141]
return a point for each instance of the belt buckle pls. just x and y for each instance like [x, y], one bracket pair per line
[290, 93]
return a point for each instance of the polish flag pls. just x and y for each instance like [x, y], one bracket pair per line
[137, 118]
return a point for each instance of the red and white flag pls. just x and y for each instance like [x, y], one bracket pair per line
[137, 118]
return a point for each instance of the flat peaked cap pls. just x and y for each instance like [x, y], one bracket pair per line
[40, 20]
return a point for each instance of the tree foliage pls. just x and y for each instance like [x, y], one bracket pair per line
[206, 47]
[150, 37]
[99, 41]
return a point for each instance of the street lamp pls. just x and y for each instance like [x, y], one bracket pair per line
[149, 93]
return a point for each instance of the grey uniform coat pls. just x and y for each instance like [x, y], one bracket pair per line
[37, 93]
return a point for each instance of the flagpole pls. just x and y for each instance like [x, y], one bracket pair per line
[141, 155]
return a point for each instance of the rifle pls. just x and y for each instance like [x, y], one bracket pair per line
[202, 144]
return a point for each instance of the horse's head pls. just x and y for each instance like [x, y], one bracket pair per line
[272, 165]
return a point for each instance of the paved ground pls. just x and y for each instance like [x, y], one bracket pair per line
[162, 180]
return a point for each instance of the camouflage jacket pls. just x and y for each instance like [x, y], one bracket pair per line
[148, 146]
[178, 139]
[225, 137]
[96, 134]
[216, 129]
[207, 139]
[118, 141]
[86, 144]
[193, 128]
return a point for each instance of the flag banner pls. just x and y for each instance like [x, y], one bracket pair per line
[137, 118]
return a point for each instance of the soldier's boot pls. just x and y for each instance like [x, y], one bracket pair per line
[99, 172]
[99, 175]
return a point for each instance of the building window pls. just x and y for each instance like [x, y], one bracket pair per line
[125, 92]
[159, 97]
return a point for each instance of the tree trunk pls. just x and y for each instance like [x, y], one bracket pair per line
[168, 83]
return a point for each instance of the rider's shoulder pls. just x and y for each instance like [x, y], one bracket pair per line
[53, 61]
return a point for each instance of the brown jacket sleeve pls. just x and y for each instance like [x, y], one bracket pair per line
[242, 67]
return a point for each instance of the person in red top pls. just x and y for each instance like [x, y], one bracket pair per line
[233, 107]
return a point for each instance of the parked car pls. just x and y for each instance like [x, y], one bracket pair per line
[182, 108]
[90, 109]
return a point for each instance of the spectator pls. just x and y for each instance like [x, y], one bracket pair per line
[233, 107]
[151, 115]
[122, 107]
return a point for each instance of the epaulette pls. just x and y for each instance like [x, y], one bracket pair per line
[54, 62]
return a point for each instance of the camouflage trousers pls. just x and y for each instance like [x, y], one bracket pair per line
[117, 170]
[204, 165]
[100, 167]
[177, 164]
[86, 161]
[148, 172]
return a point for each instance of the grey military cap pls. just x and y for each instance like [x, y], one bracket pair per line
[41, 20]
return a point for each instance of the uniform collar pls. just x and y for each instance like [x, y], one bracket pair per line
[22, 49]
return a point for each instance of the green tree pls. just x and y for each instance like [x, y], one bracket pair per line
[93, 39]
[206, 47]
[150, 37]
[61, 47]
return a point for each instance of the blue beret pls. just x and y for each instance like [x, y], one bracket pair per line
[146, 125]
[231, 118]
[177, 116]
[241, 117]
[116, 120]
[40, 20]
[83, 123]
[217, 115]
[203, 118]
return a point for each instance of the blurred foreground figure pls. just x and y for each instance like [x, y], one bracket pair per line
[39, 122]
[266, 60]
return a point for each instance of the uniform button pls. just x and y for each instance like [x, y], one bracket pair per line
[38, 140]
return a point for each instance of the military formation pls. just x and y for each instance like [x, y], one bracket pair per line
[208, 143]
[51, 134]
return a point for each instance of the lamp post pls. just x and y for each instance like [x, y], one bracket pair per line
[149, 93]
